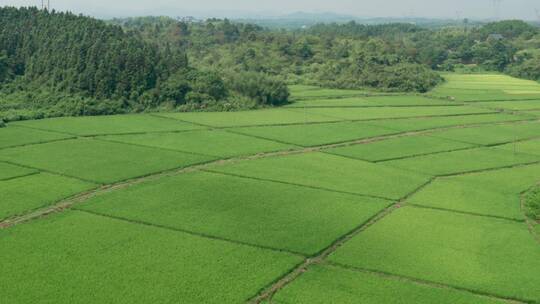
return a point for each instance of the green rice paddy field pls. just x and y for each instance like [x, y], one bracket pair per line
[342, 196]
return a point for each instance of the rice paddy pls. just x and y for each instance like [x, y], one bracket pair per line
[341, 196]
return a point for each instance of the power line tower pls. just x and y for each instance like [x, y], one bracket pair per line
[537, 13]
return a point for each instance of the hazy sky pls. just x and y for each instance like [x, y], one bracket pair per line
[523, 9]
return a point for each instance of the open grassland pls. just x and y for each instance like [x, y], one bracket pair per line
[487, 87]
[97, 259]
[330, 284]
[26, 193]
[490, 255]
[494, 193]
[339, 197]
[101, 125]
[99, 161]
[217, 143]
[256, 212]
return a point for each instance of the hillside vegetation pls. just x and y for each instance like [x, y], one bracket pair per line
[60, 64]
[54, 64]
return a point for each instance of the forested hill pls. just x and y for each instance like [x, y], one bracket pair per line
[55, 64]
[79, 54]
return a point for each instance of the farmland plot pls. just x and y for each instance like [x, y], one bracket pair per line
[399, 112]
[95, 259]
[250, 118]
[495, 193]
[208, 142]
[399, 147]
[373, 101]
[262, 213]
[487, 255]
[531, 147]
[418, 124]
[314, 92]
[17, 136]
[437, 216]
[487, 87]
[99, 161]
[22, 194]
[114, 124]
[514, 105]
[8, 171]
[328, 284]
[463, 161]
[533, 113]
[318, 134]
[492, 134]
[331, 172]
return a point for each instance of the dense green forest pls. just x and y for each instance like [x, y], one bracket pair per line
[55, 63]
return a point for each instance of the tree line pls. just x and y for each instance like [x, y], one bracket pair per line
[56, 63]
